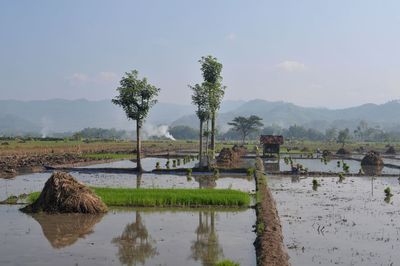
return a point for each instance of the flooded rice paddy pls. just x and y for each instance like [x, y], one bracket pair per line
[127, 237]
[347, 223]
[316, 165]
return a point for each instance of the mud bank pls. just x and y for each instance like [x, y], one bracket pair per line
[11, 166]
[269, 242]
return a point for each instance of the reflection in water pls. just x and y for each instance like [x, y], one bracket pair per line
[372, 169]
[138, 179]
[206, 246]
[135, 245]
[272, 167]
[206, 181]
[63, 230]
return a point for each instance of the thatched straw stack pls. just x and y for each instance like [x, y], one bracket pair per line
[62, 193]
[391, 150]
[372, 158]
[342, 151]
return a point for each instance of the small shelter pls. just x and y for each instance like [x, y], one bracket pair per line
[271, 144]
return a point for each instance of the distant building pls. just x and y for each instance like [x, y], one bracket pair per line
[271, 144]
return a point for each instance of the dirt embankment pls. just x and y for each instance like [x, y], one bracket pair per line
[11, 165]
[269, 245]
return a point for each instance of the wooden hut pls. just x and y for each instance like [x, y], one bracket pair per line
[271, 144]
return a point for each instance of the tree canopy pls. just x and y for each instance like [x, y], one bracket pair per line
[136, 96]
[246, 125]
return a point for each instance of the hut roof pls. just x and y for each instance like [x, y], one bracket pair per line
[271, 139]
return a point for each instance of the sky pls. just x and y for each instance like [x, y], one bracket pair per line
[317, 53]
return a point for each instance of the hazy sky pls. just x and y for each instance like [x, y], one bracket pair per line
[312, 53]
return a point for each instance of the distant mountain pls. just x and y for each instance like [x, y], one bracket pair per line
[286, 114]
[72, 115]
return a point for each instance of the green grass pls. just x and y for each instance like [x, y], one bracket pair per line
[109, 156]
[129, 197]
[227, 263]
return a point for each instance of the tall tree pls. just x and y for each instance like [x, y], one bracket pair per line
[343, 136]
[200, 99]
[211, 69]
[136, 97]
[246, 125]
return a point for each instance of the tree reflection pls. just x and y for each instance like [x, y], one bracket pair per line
[206, 181]
[206, 246]
[138, 180]
[135, 245]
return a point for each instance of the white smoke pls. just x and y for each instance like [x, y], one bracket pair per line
[46, 125]
[150, 130]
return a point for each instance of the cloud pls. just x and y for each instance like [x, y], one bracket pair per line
[99, 78]
[107, 76]
[231, 36]
[78, 77]
[291, 66]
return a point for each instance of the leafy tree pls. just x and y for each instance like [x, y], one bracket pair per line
[136, 97]
[246, 125]
[343, 136]
[211, 69]
[200, 99]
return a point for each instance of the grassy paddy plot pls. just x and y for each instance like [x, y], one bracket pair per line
[168, 197]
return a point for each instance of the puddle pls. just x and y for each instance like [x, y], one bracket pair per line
[345, 223]
[127, 237]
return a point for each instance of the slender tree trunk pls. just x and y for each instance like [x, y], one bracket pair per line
[207, 138]
[138, 147]
[201, 144]
[213, 135]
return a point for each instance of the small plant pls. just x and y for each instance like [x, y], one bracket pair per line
[178, 161]
[158, 165]
[341, 177]
[189, 178]
[388, 192]
[338, 164]
[189, 171]
[167, 164]
[216, 172]
[315, 184]
[250, 171]
[173, 163]
[227, 263]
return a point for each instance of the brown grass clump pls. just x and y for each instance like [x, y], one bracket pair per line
[343, 151]
[62, 193]
[391, 150]
[372, 158]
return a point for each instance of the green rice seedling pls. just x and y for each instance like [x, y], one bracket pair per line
[250, 171]
[189, 171]
[178, 161]
[216, 172]
[158, 165]
[341, 177]
[315, 184]
[173, 163]
[227, 263]
[167, 165]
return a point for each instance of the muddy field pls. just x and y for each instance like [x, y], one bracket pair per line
[347, 223]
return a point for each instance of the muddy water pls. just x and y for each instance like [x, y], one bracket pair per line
[347, 223]
[315, 165]
[127, 237]
[148, 164]
[35, 182]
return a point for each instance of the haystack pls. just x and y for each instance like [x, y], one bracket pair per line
[372, 158]
[230, 156]
[391, 150]
[62, 193]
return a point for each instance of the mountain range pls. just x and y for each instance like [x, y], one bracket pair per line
[58, 115]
